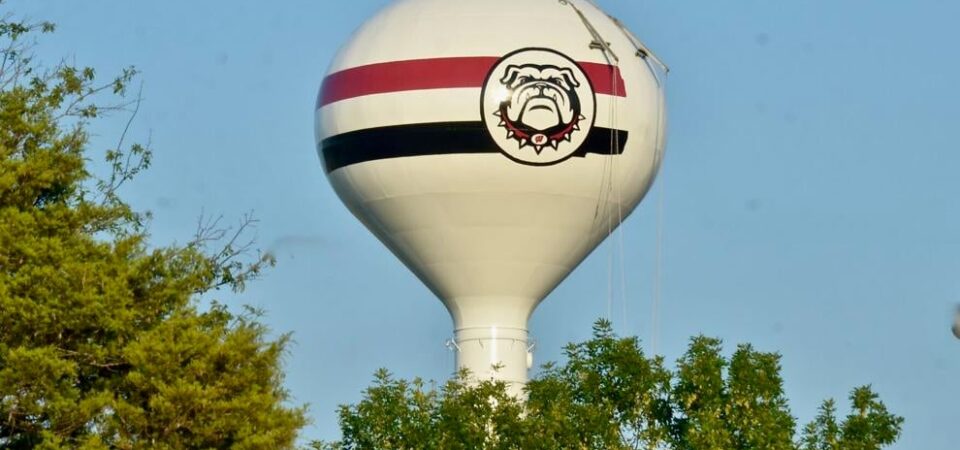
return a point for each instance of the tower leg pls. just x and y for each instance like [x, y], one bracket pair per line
[497, 353]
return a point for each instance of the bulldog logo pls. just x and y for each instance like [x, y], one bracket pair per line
[538, 106]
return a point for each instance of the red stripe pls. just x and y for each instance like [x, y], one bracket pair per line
[439, 73]
[602, 78]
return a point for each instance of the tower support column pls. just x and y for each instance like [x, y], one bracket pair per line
[498, 353]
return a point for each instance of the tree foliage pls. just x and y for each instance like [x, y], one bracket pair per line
[103, 344]
[610, 395]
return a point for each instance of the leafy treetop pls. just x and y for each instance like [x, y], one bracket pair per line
[610, 395]
[102, 342]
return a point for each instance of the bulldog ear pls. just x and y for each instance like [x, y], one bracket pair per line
[570, 77]
[510, 75]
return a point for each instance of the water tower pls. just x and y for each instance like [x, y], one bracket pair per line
[491, 146]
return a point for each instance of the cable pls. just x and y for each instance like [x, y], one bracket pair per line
[657, 274]
[610, 169]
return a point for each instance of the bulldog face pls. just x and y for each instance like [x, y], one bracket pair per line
[542, 97]
[538, 106]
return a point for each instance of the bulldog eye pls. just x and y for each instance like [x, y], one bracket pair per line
[523, 80]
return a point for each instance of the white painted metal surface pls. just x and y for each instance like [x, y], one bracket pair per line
[480, 142]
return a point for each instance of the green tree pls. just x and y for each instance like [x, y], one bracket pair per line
[609, 395]
[103, 343]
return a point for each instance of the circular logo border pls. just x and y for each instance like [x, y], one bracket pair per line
[483, 113]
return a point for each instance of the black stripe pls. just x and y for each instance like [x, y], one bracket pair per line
[435, 139]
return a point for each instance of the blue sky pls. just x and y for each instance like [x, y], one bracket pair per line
[809, 190]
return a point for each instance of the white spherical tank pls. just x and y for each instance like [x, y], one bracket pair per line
[956, 323]
[491, 145]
